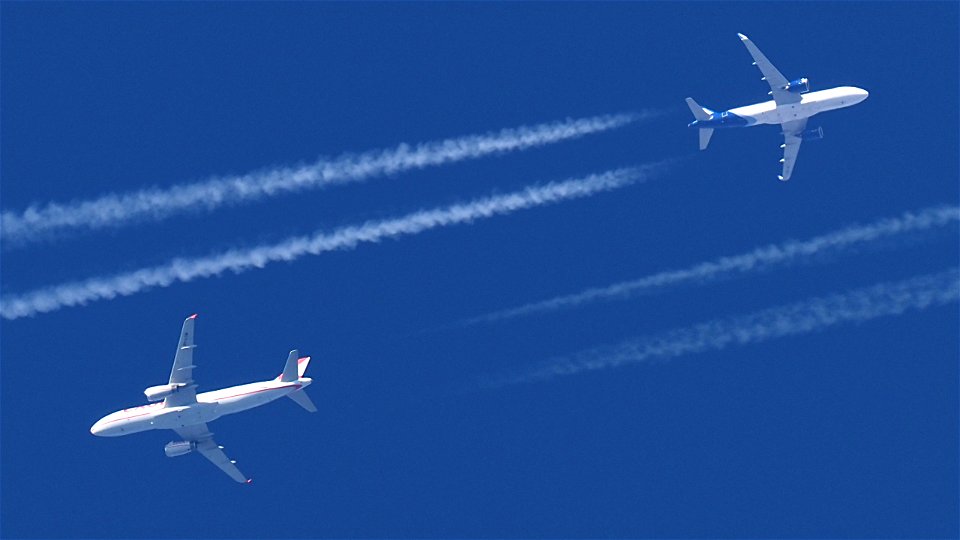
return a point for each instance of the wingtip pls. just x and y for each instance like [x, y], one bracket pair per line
[742, 37]
[249, 481]
[194, 316]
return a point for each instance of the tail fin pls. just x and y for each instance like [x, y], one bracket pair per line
[294, 371]
[700, 113]
[290, 371]
[295, 367]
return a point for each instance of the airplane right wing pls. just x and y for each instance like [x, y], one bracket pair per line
[200, 434]
[771, 74]
[791, 145]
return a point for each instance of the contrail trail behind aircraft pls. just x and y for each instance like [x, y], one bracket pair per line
[348, 237]
[187, 413]
[804, 317]
[115, 210]
[791, 107]
[755, 260]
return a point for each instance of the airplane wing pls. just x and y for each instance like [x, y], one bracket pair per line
[771, 74]
[791, 145]
[200, 435]
[182, 372]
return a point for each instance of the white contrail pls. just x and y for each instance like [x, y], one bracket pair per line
[810, 315]
[782, 254]
[115, 210]
[240, 260]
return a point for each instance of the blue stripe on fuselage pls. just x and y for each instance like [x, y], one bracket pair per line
[717, 120]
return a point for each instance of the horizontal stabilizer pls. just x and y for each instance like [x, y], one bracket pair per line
[705, 135]
[302, 365]
[700, 113]
[302, 399]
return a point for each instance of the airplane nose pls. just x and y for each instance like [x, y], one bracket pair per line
[96, 429]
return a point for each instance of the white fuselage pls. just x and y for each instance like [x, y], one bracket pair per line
[810, 104]
[209, 407]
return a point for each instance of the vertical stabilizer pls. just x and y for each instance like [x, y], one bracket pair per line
[705, 134]
[290, 372]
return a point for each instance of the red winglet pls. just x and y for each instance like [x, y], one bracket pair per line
[194, 316]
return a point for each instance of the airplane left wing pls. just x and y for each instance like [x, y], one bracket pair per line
[182, 371]
[771, 74]
[200, 434]
[791, 145]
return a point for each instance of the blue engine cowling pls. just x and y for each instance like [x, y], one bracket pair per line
[799, 86]
[814, 134]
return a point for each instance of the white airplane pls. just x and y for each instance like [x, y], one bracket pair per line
[791, 107]
[187, 413]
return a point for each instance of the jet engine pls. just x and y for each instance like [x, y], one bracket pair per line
[814, 134]
[156, 393]
[174, 449]
[799, 86]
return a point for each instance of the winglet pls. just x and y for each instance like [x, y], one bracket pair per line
[249, 481]
[194, 316]
[742, 37]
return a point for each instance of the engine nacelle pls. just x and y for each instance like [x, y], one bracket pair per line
[156, 393]
[799, 86]
[174, 449]
[814, 134]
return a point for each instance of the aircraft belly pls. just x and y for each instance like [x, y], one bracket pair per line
[766, 117]
[759, 113]
[177, 417]
[210, 411]
[135, 425]
[241, 403]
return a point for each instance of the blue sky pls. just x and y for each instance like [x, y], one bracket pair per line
[850, 430]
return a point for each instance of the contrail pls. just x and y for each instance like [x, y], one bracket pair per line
[786, 253]
[240, 260]
[116, 210]
[858, 305]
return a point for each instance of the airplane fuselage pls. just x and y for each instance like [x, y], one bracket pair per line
[209, 407]
[768, 112]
